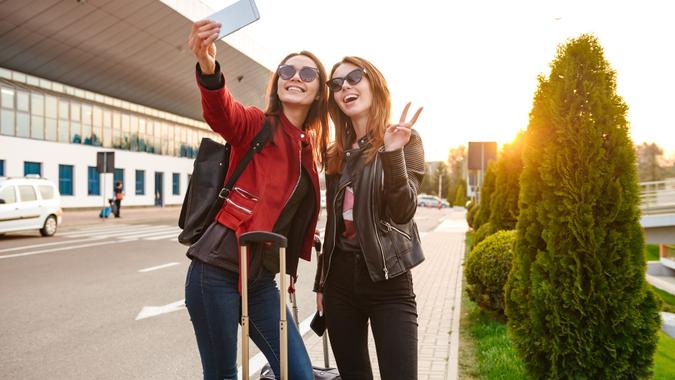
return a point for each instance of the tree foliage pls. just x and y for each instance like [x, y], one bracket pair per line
[576, 298]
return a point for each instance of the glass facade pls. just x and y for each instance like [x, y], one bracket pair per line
[93, 181]
[32, 168]
[176, 183]
[50, 111]
[140, 182]
[66, 179]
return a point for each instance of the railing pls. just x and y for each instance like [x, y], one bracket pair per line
[657, 197]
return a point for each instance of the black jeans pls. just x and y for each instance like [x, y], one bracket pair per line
[351, 299]
[118, 203]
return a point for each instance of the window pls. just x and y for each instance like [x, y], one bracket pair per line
[32, 168]
[27, 193]
[176, 184]
[118, 176]
[2, 168]
[46, 191]
[66, 179]
[8, 194]
[93, 181]
[22, 117]
[140, 182]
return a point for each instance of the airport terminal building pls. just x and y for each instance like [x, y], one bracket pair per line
[77, 78]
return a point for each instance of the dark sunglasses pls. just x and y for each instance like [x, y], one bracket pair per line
[354, 77]
[307, 74]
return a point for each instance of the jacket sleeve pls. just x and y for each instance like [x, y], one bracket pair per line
[403, 172]
[224, 114]
[317, 276]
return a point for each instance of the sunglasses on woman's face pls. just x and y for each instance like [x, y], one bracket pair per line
[307, 74]
[354, 77]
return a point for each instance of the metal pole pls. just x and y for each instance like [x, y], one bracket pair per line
[326, 361]
[244, 313]
[283, 334]
[105, 166]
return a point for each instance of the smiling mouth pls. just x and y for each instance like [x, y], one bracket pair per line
[294, 89]
[350, 98]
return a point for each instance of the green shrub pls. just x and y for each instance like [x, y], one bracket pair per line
[471, 212]
[577, 301]
[487, 269]
[485, 195]
[484, 231]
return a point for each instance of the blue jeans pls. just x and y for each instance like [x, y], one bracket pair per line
[214, 305]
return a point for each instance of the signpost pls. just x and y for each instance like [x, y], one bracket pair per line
[105, 163]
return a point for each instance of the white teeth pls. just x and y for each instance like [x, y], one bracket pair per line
[294, 88]
[349, 98]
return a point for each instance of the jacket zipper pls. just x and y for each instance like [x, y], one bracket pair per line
[330, 256]
[390, 227]
[377, 235]
[244, 209]
[299, 176]
[245, 193]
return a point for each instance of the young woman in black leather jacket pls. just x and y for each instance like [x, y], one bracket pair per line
[371, 242]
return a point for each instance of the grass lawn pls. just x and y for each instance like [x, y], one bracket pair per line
[651, 252]
[667, 298]
[485, 351]
[664, 367]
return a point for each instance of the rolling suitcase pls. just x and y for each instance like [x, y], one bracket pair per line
[320, 373]
[279, 242]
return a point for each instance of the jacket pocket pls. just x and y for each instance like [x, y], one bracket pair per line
[397, 237]
[240, 205]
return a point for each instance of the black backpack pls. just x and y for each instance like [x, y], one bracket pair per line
[205, 192]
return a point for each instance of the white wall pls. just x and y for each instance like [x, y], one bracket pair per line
[14, 151]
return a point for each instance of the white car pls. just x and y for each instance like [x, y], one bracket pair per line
[29, 203]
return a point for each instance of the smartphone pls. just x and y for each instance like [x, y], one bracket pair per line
[235, 16]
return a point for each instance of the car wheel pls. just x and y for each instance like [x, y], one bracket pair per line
[49, 229]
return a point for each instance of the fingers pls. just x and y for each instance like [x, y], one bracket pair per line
[319, 302]
[404, 114]
[417, 114]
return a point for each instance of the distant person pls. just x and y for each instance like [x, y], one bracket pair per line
[278, 191]
[119, 195]
[374, 171]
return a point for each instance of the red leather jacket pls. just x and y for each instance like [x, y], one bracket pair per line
[269, 180]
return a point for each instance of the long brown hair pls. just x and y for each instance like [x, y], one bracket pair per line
[316, 122]
[378, 118]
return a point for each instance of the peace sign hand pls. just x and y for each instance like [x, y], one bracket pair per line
[397, 135]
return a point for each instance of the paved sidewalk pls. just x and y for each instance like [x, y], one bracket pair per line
[77, 218]
[438, 287]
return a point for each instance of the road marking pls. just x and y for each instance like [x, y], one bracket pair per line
[161, 237]
[158, 267]
[144, 234]
[102, 229]
[60, 249]
[45, 244]
[153, 311]
[113, 234]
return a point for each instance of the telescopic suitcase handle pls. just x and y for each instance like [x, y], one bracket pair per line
[279, 242]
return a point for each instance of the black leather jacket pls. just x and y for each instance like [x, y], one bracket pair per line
[385, 196]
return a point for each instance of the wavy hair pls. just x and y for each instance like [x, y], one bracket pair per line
[316, 123]
[378, 116]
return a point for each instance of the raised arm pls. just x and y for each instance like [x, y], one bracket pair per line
[224, 114]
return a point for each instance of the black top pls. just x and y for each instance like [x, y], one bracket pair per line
[353, 162]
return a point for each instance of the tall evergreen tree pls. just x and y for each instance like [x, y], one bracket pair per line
[577, 301]
[504, 201]
[485, 196]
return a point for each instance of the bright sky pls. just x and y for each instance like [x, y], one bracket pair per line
[473, 64]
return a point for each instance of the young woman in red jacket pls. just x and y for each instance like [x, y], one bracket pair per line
[278, 191]
[371, 242]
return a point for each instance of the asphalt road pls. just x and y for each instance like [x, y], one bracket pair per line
[104, 300]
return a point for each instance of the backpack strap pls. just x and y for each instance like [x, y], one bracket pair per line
[258, 143]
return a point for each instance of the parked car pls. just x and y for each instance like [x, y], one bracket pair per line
[425, 200]
[29, 203]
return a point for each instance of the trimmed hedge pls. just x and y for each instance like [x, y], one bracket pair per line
[484, 231]
[487, 269]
